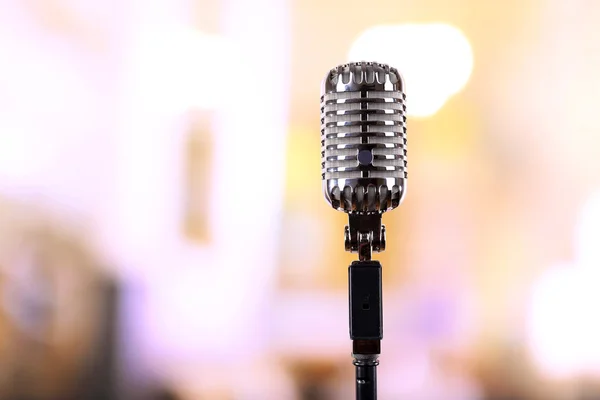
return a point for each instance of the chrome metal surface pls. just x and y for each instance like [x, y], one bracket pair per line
[366, 359]
[364, 245]
[364, 234]
[347, 239]
[363, 112]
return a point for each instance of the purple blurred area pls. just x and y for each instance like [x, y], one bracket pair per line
[163, 233]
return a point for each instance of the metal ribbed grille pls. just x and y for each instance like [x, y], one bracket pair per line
[357, 120]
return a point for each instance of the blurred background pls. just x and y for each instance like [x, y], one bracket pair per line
[163, 233]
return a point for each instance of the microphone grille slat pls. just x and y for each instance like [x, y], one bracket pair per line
[333, 108]
[388, 151]
[387, 139]
[387, 174]
[342, 152]
[373, 94]
[374, 174]
[362, 117]
[343, 140]
[397, 162]
[340, 163]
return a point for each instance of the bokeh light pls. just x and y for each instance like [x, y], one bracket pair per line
[563, 333]
[186, 68]
[435, 60]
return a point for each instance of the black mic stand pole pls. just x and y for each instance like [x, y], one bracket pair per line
[363, 234]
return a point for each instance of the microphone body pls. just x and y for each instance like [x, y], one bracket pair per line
[363, 138]
[363, 171]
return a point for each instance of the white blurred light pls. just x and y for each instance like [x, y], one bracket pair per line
[587, 232]
[436, 60]
[182, 69]
[562, 335]
[563, 326]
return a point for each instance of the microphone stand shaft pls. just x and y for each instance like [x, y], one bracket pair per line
[366, 382]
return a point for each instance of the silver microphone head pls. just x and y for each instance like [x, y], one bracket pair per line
[363, 138]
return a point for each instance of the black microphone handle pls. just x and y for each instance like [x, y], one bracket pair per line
[366, 324]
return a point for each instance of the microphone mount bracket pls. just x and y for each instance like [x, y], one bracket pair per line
[364, 234]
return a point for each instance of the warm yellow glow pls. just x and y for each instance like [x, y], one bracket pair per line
[435, 60]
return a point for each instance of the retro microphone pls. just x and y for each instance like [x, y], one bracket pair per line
[363, 161]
